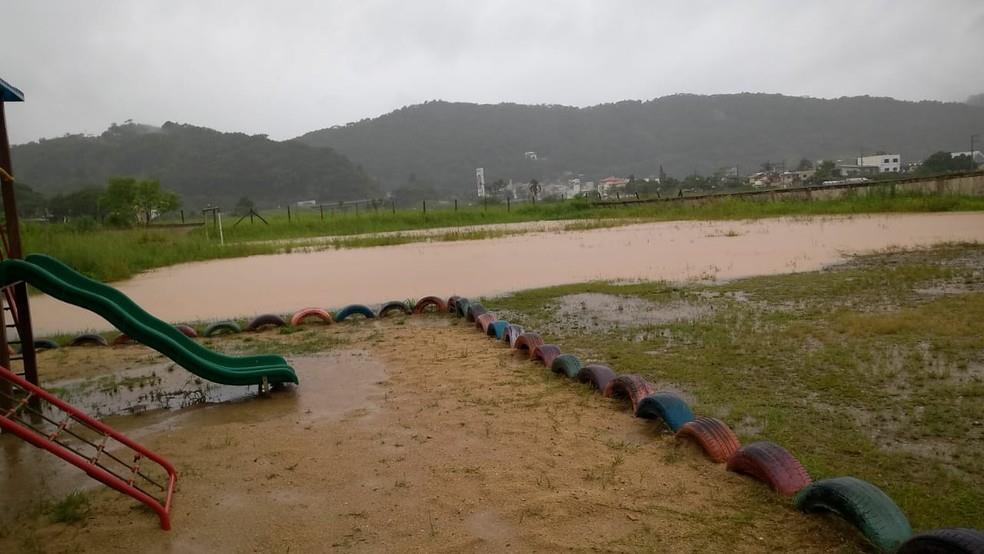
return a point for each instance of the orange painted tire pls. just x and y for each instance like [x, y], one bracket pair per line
[428, 301]
[483, 321]
[545, 353]
[631, 386]
[713, 435]
[527, 342]
[596, 374]
[300, 315]
[772, 464]
[187, 330]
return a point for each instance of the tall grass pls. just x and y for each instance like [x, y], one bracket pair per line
[111, 255]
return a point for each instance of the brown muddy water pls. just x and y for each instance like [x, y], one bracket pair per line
[162, 397]
[674, 251]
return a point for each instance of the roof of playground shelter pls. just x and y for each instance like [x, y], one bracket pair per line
[10, 93]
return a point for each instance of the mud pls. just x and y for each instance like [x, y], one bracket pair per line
[674, 251]
[428, 437]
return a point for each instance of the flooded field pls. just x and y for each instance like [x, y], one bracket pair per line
[676, 251]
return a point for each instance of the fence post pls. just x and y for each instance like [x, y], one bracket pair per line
[356, 209]
[182, 216]
[455, 204]
[485, 202]
[508, 204]
[425, 206]
[393, 205]
[322, 208]
[288, 213]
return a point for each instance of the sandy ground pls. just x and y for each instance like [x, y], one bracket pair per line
[420, 436]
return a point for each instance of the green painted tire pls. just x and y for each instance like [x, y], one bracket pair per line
[568, 364]
[861, 504]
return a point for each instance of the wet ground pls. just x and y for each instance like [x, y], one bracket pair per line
[418, 434]
[675, 251]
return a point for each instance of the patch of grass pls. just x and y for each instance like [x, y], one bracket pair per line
[71, 509]
[857, 370]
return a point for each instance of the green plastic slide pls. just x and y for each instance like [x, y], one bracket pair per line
[64, 283]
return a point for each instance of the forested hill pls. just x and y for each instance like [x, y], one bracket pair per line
[202, 165]
[442, 143]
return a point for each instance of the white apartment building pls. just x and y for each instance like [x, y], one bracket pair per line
[884, 162]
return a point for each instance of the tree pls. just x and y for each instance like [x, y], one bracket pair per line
[826, 171]
[128, 200]
[81, 203]
[535, 189]
[244, 206]
[804, 165]
[943, 162]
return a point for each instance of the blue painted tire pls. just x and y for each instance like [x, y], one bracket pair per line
[45, 344]
[461, 307]
[344, 313]
[667, 406]
[497, 328]
[89, 339]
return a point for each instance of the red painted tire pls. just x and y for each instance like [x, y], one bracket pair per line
[546, 353]
[123, 340]
[187, 330]
[713, 435]
[428, 301]
[527, 342]
[598, 375]
[772, 464]
[483, 321]
[394, 306]
[300, 315]
[265, 320]
[631, 386]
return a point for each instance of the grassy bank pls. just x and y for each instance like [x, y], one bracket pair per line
[874, 369]
[112, 255]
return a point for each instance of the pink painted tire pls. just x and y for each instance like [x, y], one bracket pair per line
[713, 435]
[187, 330]
[527, 342]
[428, 301]
[300, 315]
[598, 375]
[545, 353]
[483, 321]
[772, 464]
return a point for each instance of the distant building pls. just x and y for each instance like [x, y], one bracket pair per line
[609, 184]
[307, 203]
[530, 155]
[976, 154]
[480, 181]
[886, 163]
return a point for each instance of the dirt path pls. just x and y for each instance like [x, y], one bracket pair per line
[427, 436]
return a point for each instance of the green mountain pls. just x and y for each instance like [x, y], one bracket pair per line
[202, 165]
[441, 143]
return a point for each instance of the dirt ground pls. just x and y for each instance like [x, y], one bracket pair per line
[412, 435]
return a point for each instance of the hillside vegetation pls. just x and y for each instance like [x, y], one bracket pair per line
[442, 143]
[202, 165]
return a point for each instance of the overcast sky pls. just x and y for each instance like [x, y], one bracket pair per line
[287, 67]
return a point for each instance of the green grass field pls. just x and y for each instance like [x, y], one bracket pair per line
[873, 369]
[112, 255]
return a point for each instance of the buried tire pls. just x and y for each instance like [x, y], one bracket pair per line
[187, 330]
[714, 436]
[123, 340]
[45, 344]
[497, 329]
[473, 311]
[301, 315]
[89, 339]
[598, 375]
[483, 321]
[393, 307]
[527, 342]
[265, 320]
[666, 406]
[428, 301]
[512, 333]
[568, 364]
[222, 327]
[461, 307]
[546, 353]
[631, 386]
[353, 309]
[951, 540]
[452, 303]
[772, 464]
[861, 504]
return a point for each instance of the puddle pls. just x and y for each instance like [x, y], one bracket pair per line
[155, 399]
[600, 312]
[672, 251]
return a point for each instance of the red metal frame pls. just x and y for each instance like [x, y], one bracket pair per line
[8, 422]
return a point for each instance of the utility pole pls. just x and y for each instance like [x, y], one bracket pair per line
[972, 160]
